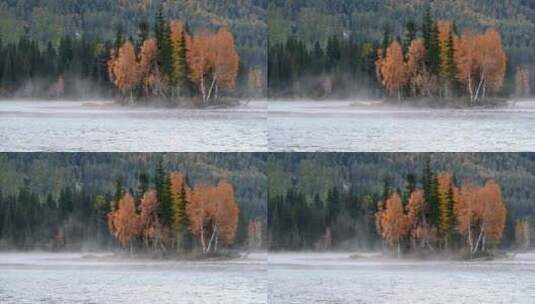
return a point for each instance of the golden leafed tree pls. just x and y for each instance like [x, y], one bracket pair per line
[419, 79]
[148, 67]
[213, 215]
[419, 231]
[392, 70]
[394, 224]
[226, 213]
[200, 213]
[200, 60]
[493, 61]
[522, 233]
[481, 215]
[151, 229]
[123, 69]
[480, 63]
[125, 222]
[494, 213]
[227, 60]
[214, 63]
[466, 61]
[522, 82]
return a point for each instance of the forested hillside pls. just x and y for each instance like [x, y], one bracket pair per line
[360, 27]
[311, 192]
[41, 194]
[51, 20]
[74, 49]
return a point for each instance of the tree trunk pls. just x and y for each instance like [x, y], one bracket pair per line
[214, 232]
[476, 246]
[211, 88]
[203, 89]
[203, 242]
[470, 89]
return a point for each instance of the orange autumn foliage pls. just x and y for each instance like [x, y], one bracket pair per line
[481, 63]
[392, 69]
[393, 222]
[124, 221]
[481, 214]
[151, 230]
[123, 69]
[148, 67]
[213, 214]
[214, 62]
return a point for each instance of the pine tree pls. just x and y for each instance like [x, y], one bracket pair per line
[447, 215]
[431, 43]
[119, 39]
[166, 212]
[143, 184]
[427, 27]
[143, 33]
[387, 37]
[433, 52]
[163, 193]
[180, 217]
[118, 193]
[410, 35]
[434, 203]
[163, 40]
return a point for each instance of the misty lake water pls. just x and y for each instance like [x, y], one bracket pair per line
[362, 127]
[335, 278]
[71, 278]
[101, 127]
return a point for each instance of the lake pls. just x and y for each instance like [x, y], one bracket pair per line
[364, 127]
[99, 126]
[79, 278]
[335, 278]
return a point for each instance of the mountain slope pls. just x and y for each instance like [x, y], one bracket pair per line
[50, 20]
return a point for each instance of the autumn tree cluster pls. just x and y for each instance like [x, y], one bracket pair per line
[442, 63]
[171, 216]
[173, 64]
[443, 216]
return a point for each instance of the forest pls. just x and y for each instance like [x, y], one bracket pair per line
[439, 204]
[340, 50]
[148, 204]
[147, 53]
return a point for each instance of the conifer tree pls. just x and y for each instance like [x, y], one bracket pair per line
[162, 33]
[410, 35]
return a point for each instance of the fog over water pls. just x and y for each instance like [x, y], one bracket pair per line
[97, 278]
[336, 278]
[366, 126]
[99, 126]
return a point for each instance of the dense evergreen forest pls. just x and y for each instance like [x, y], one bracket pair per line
[83, 201]
[328, 201]
[61, 49]
[329, 49]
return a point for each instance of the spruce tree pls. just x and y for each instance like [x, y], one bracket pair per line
[163, 193]
[433, 53]
[118, 193]
[180, 217]
[162, 33]
[410, 35]
[434, 202]
[387, 38]
[427, 27]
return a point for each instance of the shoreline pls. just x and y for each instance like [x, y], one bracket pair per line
[103, 103]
